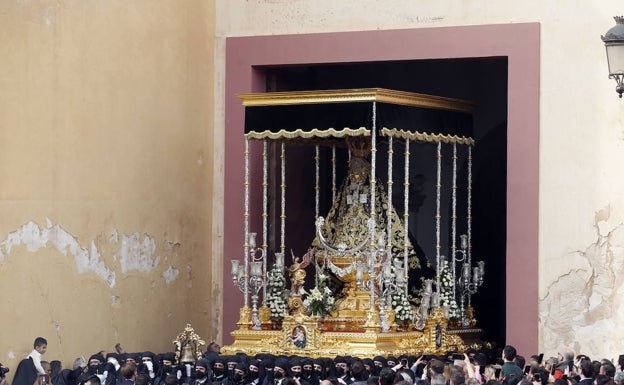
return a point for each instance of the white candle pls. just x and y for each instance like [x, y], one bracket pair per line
[387, 271]
[252, 240]
[359, 273]
[424, 301]
[235, 267]
[381, 242]
[256, 269]
[279, 260]
[400, 278]
[466, 272]
[463, 241]
[428, 289]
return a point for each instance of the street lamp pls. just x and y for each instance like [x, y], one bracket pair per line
[614, 42]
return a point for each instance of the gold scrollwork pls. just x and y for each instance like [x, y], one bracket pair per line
[296, 306]
[188, 345]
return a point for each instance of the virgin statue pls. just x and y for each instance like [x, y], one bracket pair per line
[345, 226]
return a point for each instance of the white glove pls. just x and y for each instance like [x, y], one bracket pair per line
[103, 376]
[179, 374]
[188, 370]
[150, 366]
[115, 363]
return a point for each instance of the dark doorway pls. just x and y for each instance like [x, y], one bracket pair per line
[482, 81]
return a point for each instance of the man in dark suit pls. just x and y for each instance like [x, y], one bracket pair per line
[587, 372]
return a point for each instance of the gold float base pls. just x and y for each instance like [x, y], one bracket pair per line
[309, 336]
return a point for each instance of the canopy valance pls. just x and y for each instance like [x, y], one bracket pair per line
[328, 115]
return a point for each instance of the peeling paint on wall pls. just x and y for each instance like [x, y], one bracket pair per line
[171, 274]
[587, 295]
[136, 252]
[35, 238]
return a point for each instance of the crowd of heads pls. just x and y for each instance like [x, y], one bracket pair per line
[493, 367]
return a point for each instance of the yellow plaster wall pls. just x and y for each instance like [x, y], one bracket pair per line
[106, 132]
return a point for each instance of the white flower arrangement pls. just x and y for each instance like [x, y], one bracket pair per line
[320, 301]
[276, 284]
[446, 290]
[402, 308]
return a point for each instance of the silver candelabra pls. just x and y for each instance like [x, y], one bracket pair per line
[250, 277]
[381, 280]
[471, 277]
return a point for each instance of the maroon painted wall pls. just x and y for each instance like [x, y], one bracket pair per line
[520, 43]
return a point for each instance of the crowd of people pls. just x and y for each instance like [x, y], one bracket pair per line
[502, 367]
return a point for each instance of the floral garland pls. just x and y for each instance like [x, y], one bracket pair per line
[446, 290]
[276, 284]
[320, 301]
